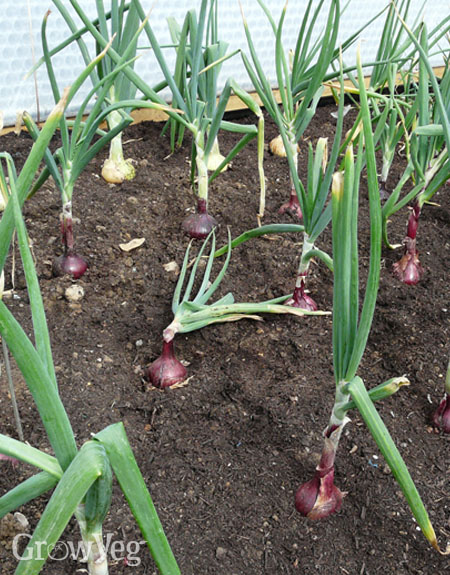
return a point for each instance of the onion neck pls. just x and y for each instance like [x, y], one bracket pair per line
[169, 333]
[67, 227]
[115, 149]
[338, 416]
[388, 156]
[447, 380]
[294, 151]
[332, 433]
[305, 261]
[293, 204]
[215, 150]
[202, 168]
[215, 158]
[413, 222]
[95, 553]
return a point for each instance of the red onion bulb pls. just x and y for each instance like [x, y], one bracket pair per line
[166, 370]
[70, 264]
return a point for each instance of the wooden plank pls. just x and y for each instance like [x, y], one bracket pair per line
[234, 104]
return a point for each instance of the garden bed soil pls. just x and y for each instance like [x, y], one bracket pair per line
[223, 455]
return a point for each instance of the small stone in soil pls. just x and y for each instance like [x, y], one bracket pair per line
[220, 552]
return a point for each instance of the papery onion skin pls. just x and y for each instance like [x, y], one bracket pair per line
[214, 161]
[113, 173]
[276, 147]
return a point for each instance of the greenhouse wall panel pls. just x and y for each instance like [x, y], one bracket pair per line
[20, 42]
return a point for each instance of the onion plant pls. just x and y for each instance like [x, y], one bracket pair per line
[403, 117]
[397, 114]
[195, 73]
[299, 80]
[77, 149]
[395, 46]
[120, 27]
[429, 165]
[79, 142]
[192, 312]
[393, 118]
[81, 478]
[394, 63]
[313, 198]
[214, 54]
[320, 497]
[187, 109]
[393, 76]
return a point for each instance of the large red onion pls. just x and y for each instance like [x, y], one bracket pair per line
[166, 370]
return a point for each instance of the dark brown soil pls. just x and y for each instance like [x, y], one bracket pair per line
[223, 455]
